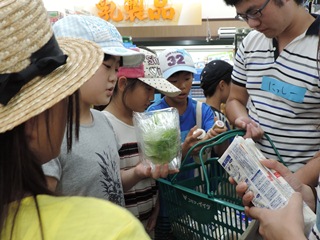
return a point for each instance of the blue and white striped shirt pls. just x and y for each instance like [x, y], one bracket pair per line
[284, 92]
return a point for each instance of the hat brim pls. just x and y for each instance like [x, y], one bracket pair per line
[169, 72]
[131, 58]
[41, 93]
[162, 85]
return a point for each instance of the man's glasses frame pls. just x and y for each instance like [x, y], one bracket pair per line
[253, 14]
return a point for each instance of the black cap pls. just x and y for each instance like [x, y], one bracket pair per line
[213, 73]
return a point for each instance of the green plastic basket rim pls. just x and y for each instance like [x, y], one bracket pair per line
[215, 141]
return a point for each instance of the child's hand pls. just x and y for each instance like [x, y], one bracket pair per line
[215, 131]
[160, 171]
[190, 140]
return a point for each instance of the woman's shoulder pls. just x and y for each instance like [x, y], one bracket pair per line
[94, 217]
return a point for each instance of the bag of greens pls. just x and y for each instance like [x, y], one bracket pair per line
[158, 135]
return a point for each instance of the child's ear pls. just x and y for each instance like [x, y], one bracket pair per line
[222, 84]
[122, 83]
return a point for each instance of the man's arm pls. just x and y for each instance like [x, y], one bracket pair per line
[236, 103]
[236, 110]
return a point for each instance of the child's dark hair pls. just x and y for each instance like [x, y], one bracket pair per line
[132, 83]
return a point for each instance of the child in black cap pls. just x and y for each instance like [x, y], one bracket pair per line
[215, 82]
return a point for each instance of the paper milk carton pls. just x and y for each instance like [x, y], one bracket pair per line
[242, 161]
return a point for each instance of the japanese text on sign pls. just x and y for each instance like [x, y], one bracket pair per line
[135, 9]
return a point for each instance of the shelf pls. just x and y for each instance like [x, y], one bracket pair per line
[182, 42]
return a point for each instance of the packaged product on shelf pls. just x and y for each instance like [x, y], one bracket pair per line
[158, 135]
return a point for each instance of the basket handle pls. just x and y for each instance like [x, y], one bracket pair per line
[215, 141]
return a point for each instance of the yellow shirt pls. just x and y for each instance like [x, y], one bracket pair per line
[72, 218]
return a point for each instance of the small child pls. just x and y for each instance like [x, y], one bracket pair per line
[215, 81]
[178, 68]
[92, 167]
[133, 93]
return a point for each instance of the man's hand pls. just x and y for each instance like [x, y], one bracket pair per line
[253, 129]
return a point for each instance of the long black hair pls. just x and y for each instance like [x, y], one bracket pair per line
[20, 169]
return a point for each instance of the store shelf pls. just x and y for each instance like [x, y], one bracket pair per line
[182, 42]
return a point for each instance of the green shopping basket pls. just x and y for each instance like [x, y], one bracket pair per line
[205, 206]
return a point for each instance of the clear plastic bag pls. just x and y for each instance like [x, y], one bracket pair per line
[158, 136]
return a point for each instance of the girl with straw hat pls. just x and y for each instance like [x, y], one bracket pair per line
[38, 98]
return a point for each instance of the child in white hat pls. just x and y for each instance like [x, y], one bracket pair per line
[92, 167]
[134, 92]
[178, 68]
[38, 93]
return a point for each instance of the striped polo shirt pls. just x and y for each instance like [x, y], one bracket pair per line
[284, 92]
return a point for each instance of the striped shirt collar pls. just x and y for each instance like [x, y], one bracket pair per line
[315, 26]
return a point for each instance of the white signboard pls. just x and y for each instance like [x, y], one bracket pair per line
[217, 9]
[210, 8]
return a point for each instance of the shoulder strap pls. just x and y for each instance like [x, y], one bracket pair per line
[199, 114]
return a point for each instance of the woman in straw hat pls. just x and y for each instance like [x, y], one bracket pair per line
[38, 98]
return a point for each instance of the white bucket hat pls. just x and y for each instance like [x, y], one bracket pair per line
[35, 73]
[150, 73]
[99, 31]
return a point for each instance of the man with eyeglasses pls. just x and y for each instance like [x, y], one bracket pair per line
[275, 89]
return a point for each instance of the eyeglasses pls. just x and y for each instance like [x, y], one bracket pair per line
[253, 14]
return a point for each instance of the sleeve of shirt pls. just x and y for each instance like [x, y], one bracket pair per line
[207, 117]
[53, 168]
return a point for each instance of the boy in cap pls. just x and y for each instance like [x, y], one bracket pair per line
[178, 68]
[215, 81]
[39, 79]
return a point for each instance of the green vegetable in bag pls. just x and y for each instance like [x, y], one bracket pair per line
[158, 137]
[162, 146]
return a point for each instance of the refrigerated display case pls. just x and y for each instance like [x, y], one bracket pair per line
[201, 55]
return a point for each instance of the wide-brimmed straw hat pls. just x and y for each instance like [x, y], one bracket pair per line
[35, 73]
[150, 73]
